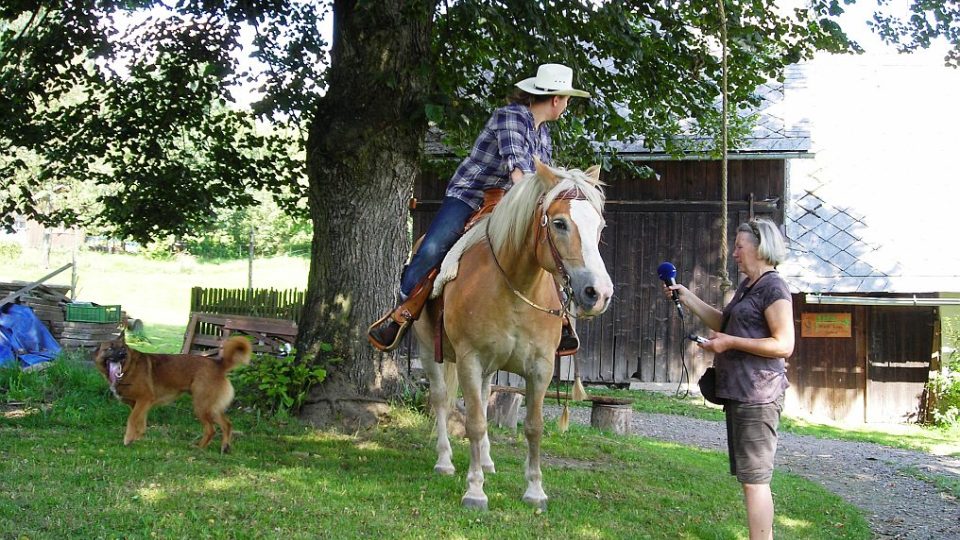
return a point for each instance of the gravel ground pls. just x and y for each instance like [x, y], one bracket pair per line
[869, 476]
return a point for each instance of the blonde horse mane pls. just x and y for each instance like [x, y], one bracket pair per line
[511, 219]
[509, 224]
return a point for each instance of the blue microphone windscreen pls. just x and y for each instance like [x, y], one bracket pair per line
[667, 271]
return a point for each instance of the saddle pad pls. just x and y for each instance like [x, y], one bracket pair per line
[451, 261]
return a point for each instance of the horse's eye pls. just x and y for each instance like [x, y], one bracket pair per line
[560, 224]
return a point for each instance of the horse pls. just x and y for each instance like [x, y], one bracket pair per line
[501, 309]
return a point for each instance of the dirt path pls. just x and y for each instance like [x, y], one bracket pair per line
[881, 481]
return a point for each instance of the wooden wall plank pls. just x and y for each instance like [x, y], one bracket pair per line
[641, 329]
[648, 288]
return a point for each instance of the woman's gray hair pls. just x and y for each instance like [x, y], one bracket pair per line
[766, 236]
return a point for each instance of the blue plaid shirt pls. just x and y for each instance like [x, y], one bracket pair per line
[508, 141]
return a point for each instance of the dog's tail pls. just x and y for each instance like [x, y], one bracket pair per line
[236, 351]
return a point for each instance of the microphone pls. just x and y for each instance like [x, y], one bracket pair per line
[668, 273]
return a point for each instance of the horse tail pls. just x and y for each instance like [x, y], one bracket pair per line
[452, 383]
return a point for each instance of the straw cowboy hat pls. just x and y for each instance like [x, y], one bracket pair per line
[552, 79]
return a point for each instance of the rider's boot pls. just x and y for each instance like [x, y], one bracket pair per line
[387, 332]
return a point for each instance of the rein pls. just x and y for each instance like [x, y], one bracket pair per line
[572, 194]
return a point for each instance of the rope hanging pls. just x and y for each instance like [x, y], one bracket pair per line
[724, 248]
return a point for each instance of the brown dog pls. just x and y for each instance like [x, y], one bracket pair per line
[142, 380]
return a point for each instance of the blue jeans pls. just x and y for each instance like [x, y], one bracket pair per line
[445, 230]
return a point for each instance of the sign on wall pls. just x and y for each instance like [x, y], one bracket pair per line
[830, 325]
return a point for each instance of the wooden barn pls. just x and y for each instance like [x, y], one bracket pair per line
[860, 357]
[674, 218]
[868, 335]
[868, 329]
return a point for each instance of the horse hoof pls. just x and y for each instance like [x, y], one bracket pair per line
[474, 503]
[536, 503]
[489, 469]
[445, 470]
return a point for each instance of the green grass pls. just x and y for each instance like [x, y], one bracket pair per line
[65, 474]
[946, 484]
[156, 292]
[930, 439]
[299, 494]
[158, 338]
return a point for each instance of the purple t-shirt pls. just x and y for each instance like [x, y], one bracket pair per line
[743, 376]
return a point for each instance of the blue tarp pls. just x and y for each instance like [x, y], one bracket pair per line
[23, 337]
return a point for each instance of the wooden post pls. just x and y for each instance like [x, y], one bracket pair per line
[73, 275]
[503, 410]
[250, 263]
[613, 417]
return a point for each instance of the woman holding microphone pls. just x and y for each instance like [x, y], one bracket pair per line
[751, 340]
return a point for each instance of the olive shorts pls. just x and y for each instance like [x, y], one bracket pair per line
[752, 439]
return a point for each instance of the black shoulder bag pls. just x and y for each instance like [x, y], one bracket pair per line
[708, 386]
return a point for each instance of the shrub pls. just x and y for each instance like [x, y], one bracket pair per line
[414, 396]
[278, 383]
[10, 250]
[14, 385]
[946, 387]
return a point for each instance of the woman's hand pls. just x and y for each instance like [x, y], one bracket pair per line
[710, 315]
[717, 343]
[682, 293]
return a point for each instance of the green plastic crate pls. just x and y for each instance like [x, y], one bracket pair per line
[93, 313]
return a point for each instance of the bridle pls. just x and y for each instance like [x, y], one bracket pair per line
[563, 286]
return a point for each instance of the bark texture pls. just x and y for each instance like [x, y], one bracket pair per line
[363, 154]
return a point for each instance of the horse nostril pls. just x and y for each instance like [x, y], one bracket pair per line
[591, 294]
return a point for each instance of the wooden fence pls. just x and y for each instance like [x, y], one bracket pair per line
[269, 303]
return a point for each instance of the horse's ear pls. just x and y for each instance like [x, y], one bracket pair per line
[544, 172]
[593, 174]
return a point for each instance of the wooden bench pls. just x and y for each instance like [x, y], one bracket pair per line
[206, 331]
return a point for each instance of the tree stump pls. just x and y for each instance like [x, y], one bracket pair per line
[611, 414]
[503, 409]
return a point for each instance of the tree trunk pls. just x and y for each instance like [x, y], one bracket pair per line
[363, 154]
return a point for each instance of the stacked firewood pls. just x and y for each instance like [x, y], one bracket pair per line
[49, 303]
[46, 301]
[88, 335]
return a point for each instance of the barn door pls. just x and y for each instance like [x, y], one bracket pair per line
[899, 342]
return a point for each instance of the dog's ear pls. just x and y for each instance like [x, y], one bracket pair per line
[98, 356]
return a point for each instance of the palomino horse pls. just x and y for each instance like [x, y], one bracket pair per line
[502, 310]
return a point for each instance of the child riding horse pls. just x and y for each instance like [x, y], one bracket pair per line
[504, 151]
[502, 309]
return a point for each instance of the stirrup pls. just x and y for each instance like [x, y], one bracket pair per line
[404, 314]
[401, 331]
[572, 344]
